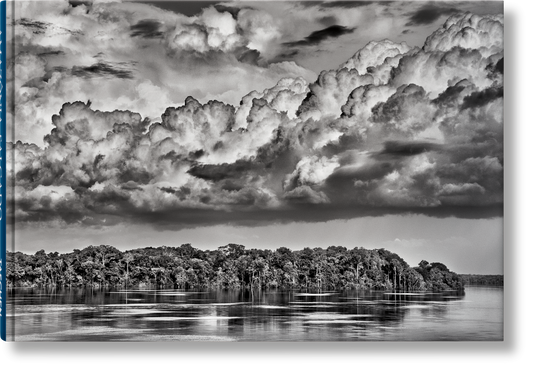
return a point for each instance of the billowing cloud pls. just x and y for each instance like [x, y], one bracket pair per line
[393, 130]
[483, 33]
[131, 54]
[329, 92]
[377, 54]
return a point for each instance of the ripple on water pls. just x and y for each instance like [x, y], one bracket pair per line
[331, 316]
[183, 318]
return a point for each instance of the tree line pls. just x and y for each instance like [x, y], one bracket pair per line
[489, 280]
[230, 266]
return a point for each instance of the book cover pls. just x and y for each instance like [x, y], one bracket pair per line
[3, 267]
[252, 171]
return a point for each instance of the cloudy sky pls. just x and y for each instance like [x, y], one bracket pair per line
[374, 124]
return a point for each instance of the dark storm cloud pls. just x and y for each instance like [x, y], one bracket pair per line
[249, 57]
[147, 28]
[196, 154]
[219, 172]
[317, 37]
[481, 98]
[297, 212]
[168, 190]
[450, 95]
[51, 52]
[102, 69]
[75, 3]
[496, 68]
[406, 149]
[428, 14]
[176, 219]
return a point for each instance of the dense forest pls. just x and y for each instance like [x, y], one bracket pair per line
[230, 266]
[489, 280]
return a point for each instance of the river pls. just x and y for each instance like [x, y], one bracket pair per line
[162, 315]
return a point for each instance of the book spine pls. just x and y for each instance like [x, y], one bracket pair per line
[3, 247]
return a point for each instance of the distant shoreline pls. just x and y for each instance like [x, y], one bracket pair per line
[482, 280]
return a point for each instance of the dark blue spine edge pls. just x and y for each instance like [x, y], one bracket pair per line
[3, 246]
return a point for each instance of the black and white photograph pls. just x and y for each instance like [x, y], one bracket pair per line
[255, 171]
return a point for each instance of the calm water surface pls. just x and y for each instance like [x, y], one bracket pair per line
[156, 315]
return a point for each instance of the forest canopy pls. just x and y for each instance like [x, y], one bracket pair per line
[228, 267]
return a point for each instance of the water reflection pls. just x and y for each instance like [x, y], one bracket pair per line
[144, 315]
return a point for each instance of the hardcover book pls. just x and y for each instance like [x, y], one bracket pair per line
[252, 170]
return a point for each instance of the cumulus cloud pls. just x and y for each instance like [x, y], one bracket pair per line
[405, 113]
[471, 31]
[374, 55]
[311, 171]
[135, 56]
[393, 130]
[259, 28]
[329, 92]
